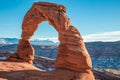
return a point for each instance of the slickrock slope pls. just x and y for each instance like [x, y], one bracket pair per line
[25, 71]
[18, 71]
[72, 53]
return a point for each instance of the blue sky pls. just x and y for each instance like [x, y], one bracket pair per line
[97, 20]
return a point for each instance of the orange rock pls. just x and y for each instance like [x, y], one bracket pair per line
[72, 53]
[23, 71]
[25, 50]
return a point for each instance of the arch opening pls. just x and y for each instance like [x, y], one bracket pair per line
[45, 31]
[44, 41]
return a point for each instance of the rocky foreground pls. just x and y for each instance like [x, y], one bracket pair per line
[24, 71]
[43, 69]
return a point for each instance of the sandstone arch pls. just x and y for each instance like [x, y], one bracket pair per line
[72, 53]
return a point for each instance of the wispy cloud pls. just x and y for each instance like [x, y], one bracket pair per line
[105, 37]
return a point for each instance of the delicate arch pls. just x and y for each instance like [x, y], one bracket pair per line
[72, 53]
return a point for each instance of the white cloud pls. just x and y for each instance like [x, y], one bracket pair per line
[105, 37]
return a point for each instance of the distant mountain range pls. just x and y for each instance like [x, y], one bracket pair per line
[8, 41]
[103, 54]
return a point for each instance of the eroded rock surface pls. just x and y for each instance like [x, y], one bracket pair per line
[72, 53]
[13, 71]
[24, 71]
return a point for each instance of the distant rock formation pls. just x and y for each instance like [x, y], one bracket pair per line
[72, 53]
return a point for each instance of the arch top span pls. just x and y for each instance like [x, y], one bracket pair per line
[72, 53]
[47, 4]
[41, 11]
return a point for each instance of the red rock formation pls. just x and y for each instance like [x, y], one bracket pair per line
[23, 71]
[72, 54]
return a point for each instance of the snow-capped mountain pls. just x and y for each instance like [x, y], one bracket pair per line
[46, 42]
[8, 41]
[2, 42]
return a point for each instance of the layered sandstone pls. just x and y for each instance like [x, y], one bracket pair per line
[72, 53]
[24, 71]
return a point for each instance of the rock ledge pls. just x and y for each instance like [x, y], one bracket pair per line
[25, 71]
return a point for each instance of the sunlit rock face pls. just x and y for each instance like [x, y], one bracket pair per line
[72, 53]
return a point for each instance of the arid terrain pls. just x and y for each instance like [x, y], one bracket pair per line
[47, 65]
